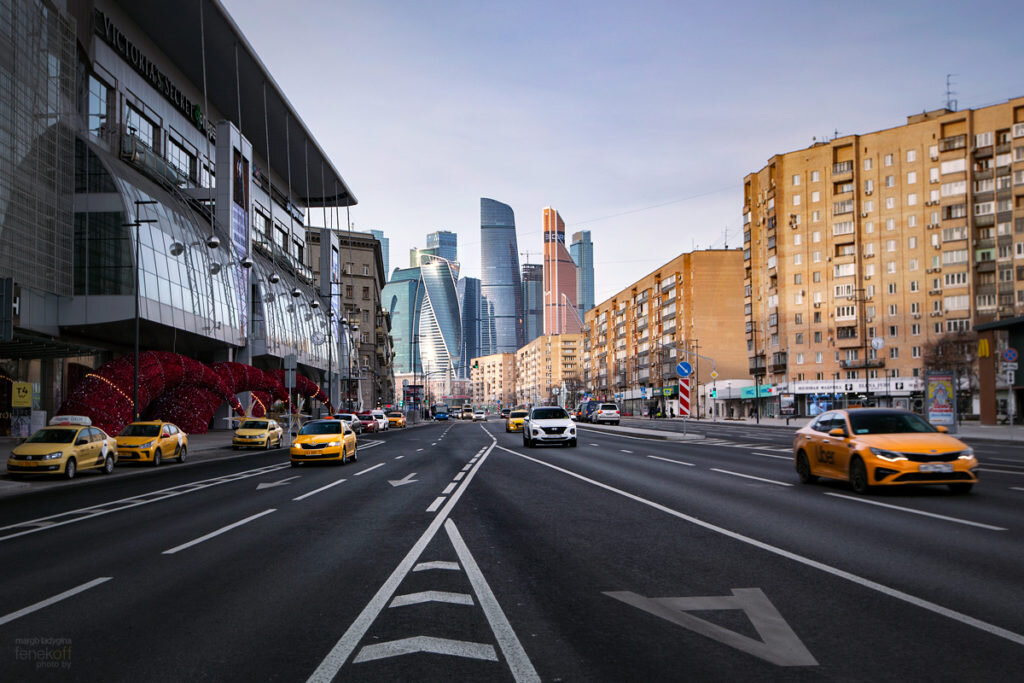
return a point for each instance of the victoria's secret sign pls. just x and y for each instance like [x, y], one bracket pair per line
[132, 54]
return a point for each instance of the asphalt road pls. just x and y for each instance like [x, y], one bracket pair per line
[451, 552]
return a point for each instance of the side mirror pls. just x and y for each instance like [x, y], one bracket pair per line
[838, 431]
[941, 429]
[295, 433]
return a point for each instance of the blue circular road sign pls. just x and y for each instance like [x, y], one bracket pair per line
[684, 369]
[1010, 355]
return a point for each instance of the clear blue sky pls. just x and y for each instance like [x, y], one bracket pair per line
[636, 121]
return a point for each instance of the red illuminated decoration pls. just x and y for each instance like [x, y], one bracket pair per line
[178, 389]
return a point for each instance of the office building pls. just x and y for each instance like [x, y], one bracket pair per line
[582, 252]
[500, 284]
[533, 301]
[690, 307]
[862, 251]
[549, 370]
[561, 314]
[445, 244]
[494, 381]
[385, 249]
[470, 304]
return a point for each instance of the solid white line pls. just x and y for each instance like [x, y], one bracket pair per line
[218, 532]
[1016, 488]
[369, 469]
[339, 654]
[674, 462]
[986, 469]
[915, 512]
[828, 569]
[56, 598]
[518, 661]
[769, 455]
[436, 504]
[448, 489]
[459, 476]
[750, 476]
[316, 491]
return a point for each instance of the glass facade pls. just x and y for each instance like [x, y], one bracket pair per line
[500, 283]
[582, 251]
[385, 251]
[533, 301]
[470, 302]
[440, 319]
[402, 298]
[445, 244]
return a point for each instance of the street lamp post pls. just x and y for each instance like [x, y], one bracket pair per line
[137, 223]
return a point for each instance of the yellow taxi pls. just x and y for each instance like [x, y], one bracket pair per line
[396, 419]
[324, 441]
[70, 443]
[152, 442]
[871, 447]
[514, 422]
[258, 433]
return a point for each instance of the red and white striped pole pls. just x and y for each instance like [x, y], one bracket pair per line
[684, 397]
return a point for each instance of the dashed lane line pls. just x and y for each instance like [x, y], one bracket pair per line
[369, 469]
[218, 532]
[674, 462]
[53, 600]
[316, 491]
[750, 476]
[436, 504]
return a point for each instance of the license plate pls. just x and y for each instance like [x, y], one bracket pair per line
[936, 467]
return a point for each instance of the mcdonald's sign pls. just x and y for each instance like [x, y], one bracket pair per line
[983, 350]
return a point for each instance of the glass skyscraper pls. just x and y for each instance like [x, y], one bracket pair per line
[445, 243]
[582, 251]
[500, 284]
[469, 300]
[385, 250]
[533, 301]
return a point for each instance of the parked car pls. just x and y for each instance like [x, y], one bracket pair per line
[258, 433]
[605, 412]
[152, 442]
[871, 447]
[549, 424]
[396, 419]
[352, 420]
[382, 419]
[70, 443]
[369, 422]
[324, 441]
[479, 416]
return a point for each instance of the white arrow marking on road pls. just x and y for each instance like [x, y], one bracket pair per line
[272, 484]
[438, 646]
[407, 479]
[778, 645]
[437, 564]
[432, 596]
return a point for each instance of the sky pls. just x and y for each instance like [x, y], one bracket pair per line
[637, 121]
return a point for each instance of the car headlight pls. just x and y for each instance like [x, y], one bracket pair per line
[332, 444]
[53, 456]
[148, 444]
[572, 431]
[891, 456]
[536, 431]
[967, 454]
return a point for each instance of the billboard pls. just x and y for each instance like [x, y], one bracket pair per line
[940, 399]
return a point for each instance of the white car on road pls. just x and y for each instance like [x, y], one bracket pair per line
[549, 424]
[382, 419]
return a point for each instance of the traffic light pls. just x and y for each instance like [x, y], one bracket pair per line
[714, 393]
[476, 365]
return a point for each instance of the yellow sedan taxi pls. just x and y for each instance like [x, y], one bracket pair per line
[324, 441]
[152, 442]
[396, 419]
[258, 433]
[871, 447]
[514, 422]
[69, 444]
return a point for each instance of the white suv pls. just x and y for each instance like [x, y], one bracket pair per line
[382, 419]
[606, 412]
[549, 424]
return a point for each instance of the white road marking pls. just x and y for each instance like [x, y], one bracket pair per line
[437, 564]
[459, 476]
[515, 655]
[467, 467]
[986, 469]
[436, 504]
[434, 444]
[431, 596]
[316, 491]
[750, 476]
[806, 561]
[418, 450]
[399, 457]
[448, 489]
[769, 455]
[437, 646]
[623, 450]
[1016, 488]
[915, 512]
[272, 484]
[218, 532]
[407, 479]
[52, 600]
[674, 462]
[595, 444]
[369, 469]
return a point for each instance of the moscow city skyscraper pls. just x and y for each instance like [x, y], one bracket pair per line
[533, 301]
[500, 285]
[582, 252]
[561, 315]
[444, 243]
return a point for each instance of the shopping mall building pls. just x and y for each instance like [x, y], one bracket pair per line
[156, 192]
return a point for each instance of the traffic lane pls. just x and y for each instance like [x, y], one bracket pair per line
[320, 553]
[554, 547]
[885, 544]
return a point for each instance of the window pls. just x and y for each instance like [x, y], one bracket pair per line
[888, 160]
[867, 164]
[911, 155]
[912, 242]
[798, 278]
[890, 203]
[816, 276]
[914, 286]
[815, 216]
[890, 181]
[845, 270]
[815, 197]
[815, 177]
[181, 158]
[817, 338]
[890, 245]
[797, 259]
[894, 330]
[366, 293]
[893, 310]
[954, 166]
[894, 352]
[892, 287]
[915, 329]
[817, 354]
[99, 105]
[984, 208]
[797, 239]
[799, 359]
[957, 303]
[796, 180]
[954, 188]
[139, 126]
[983, 140]
[869, 185]
[912, 199]
[911, 177]
[796, 200]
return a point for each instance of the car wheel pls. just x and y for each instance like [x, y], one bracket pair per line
[344, 455]
[158, 458]
[572, 444]
[355, 453]
[859, 476]
[108, 465]
[803, 469]
[70, 468]
[182, 454]
[295, 464]
[526, 442]
[961, 487]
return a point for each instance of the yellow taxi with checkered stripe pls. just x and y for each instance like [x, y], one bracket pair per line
[70, 443]
[871, 447]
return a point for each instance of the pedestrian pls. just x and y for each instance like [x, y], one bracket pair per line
[671, 412]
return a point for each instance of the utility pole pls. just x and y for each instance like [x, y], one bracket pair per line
[757, 388]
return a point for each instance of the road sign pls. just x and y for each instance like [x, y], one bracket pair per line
[1009, 355]
[1009, 366]
[684, 397]
[684, 369]
[714, 374]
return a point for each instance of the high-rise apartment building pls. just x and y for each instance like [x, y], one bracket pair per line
[500, 286]
[549, 370]
[561, 314]
[635, 339]
[494, 380]
[863, 250]
[385, 250]
[445, 243]
[533, 301]
[582, 252]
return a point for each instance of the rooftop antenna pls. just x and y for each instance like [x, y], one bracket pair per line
[950, 101]
[725, 236]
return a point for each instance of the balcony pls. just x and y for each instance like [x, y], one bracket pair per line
[842, 168]
[858, 363]
[779, 363]
[756, 366]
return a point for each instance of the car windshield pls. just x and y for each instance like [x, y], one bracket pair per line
[141, 430]
[254, 424]
[394, 415]
[53, 436]
[550, 414]
[888, 423]
[347, 418]
[326, 427]
[517, 413]
[609, 406]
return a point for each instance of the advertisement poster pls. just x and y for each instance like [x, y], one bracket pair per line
[940, 399]
[787, 404]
